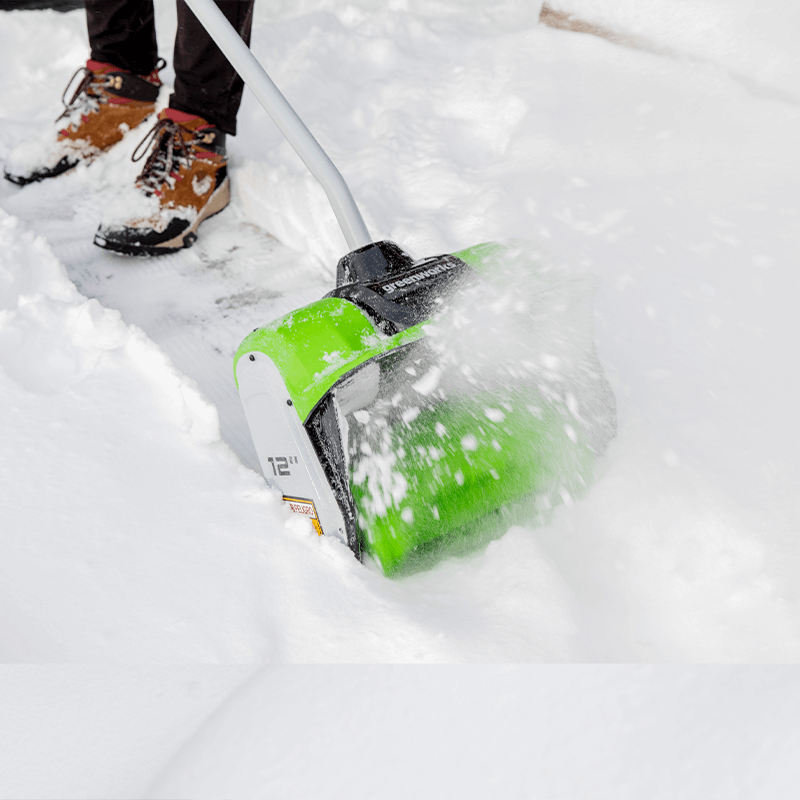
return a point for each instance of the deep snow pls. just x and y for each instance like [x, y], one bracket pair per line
[131, 532]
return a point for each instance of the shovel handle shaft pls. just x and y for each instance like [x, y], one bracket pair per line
[284, 116]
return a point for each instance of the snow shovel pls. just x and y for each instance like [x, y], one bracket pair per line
[354, 413]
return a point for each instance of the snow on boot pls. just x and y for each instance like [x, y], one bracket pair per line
[183, 183]
[107, 103]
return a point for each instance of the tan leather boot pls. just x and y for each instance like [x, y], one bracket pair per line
[184, 181]
[106, 104]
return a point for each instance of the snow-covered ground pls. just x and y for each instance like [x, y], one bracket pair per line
[666, 177]
[298, 732]
[131, 531]
[134, 530]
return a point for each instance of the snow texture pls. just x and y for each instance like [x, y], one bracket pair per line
[658, 181]
[588, 732]
[136, 529]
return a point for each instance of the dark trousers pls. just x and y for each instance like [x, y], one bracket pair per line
[123, 33]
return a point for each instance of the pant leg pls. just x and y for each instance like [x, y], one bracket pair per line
[205, 82]
[123, 33]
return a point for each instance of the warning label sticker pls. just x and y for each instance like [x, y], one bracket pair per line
[301, 505]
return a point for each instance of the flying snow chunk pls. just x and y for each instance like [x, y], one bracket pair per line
[469, 442]
[572, 405]
[551, 362]
[494, 414]
[428, 382]
[410, 414]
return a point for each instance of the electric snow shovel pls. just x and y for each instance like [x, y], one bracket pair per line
[362, 423]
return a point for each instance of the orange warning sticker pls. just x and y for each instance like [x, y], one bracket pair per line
[301, 505]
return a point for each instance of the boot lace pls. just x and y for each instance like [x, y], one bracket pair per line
[85, 99]
[88, 95]
[170, 152]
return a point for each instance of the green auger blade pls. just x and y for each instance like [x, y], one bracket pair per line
[459, 474]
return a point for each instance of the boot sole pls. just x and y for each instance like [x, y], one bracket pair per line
[63, 166]
[216, 203]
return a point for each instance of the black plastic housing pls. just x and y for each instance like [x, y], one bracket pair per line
[396, 291]
[372, 263]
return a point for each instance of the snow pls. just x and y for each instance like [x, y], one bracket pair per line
[303, 731]
[663, 177]
[135, 529]
[753, 41]
[472, 732]
[76, 731]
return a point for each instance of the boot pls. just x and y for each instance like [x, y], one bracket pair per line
[184, 181]
[106, 104]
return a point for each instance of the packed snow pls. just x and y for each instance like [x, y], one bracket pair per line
[135, 525]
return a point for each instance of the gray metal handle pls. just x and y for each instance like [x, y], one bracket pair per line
[291, 126]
